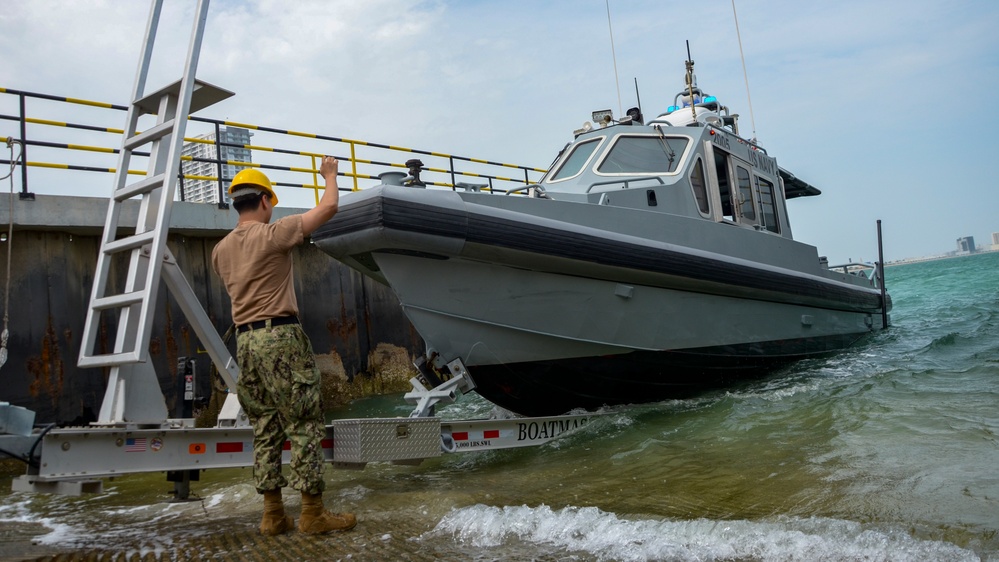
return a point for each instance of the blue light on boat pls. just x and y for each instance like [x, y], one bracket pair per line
[671, 108]
[710, 99]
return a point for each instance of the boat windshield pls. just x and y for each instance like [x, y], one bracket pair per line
[574, 162]
[644, 155]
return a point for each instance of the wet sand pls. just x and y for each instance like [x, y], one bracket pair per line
[372, 539]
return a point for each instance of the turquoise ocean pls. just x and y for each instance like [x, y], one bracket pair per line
[888, 451]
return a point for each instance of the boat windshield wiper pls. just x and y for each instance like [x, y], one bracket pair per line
[667, 149]
[552, 165]
[559, 155]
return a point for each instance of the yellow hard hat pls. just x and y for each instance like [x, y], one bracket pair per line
[250, 181]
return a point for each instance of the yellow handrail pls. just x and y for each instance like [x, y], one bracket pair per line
[472, 167]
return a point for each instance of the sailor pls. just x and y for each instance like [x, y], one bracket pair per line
[279, 382]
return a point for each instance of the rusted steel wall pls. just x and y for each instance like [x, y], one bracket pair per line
[51, 278]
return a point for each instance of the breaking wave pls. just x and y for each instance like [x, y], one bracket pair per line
[605, 536]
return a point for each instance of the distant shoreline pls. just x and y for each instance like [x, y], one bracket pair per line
[935, 258]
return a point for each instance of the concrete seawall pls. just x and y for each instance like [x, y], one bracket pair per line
[360, 335]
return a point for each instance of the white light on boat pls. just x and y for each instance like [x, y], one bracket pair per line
[586, 128]
[604, 117]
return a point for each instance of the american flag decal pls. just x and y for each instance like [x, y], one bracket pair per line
[135, 444]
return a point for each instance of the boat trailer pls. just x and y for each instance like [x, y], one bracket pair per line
[75, 460]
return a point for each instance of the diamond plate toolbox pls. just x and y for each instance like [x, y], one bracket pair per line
[386, 439]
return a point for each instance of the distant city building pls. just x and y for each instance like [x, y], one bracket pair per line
[995, 241]
[207, 191]
[966, 245]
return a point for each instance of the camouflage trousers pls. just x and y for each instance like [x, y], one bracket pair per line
[278, 388]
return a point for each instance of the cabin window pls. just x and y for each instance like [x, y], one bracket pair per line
[724, 185]
[644, 155]
[746, 207]
[699, 185]
[768, 208]
[573, 164]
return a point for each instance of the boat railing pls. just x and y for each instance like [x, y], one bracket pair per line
[67, 158]
[870, 271]
[625, 183]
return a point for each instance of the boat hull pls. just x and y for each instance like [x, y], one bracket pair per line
[550, 315]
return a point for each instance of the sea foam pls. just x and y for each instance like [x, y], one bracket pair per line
[605, 536]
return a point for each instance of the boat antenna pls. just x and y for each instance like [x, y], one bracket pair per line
[620, 111]
[690, 82]
[637, 97]
[745, 76]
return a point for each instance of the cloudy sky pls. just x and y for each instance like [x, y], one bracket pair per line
[885, 105]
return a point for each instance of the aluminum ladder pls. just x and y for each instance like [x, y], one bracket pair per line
[133, 395]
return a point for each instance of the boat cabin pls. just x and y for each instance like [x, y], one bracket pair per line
[689, 161]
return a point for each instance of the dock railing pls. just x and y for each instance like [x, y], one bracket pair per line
[68, 158]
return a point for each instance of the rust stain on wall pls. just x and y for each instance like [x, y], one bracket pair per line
[102, 336]
[185, 334]
[102, 345]
[171, 343]
[367, 319]
[47, 368]
[345, 327]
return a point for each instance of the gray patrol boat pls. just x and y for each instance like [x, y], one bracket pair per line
[652, 261]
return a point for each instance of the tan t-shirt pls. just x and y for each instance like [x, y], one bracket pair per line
[254, 262]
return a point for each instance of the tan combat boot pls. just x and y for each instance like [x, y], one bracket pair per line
[316, 519]
[275, 522]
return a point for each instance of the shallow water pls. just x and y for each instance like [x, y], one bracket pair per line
[885, 452]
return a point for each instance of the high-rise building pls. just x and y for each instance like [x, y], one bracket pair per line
[995, 241]
[966, 245]
[207, 191]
